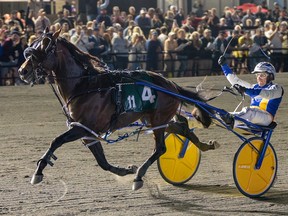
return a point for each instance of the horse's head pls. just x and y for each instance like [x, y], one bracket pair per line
[40, 57]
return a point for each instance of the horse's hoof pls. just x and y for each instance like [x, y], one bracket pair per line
[137, 185]
[36, 179]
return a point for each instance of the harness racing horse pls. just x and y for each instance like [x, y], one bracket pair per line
[90, 95]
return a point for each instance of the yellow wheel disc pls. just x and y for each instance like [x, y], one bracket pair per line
[250, 181]
[176, 170]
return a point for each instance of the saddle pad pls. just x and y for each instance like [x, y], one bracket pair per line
[136, 98]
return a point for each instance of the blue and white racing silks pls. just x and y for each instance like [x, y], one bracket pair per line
[266, 98]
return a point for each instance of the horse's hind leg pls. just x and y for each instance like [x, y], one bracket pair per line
[182, 129]
[99, 155]
[70, 135]
[159, 150]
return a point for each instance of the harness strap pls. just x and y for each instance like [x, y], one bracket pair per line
[64, 108]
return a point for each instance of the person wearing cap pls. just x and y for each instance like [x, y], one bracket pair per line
[144, 22]
[265, 95]
[154, 47]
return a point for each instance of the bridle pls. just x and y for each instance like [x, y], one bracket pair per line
[36, 56]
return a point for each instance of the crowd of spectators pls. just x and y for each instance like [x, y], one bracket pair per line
[163, 41]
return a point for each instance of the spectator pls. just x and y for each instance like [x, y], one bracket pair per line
[17, 21]
[60, 19]
[64, 29]
[7, 57]
[170, 45]
[206, 50]
[269, 16]
[180, 17]
[80, 39]
[144, 22]
[132, 12]
[150, 13]
[163, 35]
[229, 19]
[192, 22]
[260, 44]
[116, 16]
[30, 19]
[129, 19]
[213, 22]
[137, 56]
[284, 34]
[194, 53]
[245, 43]
[128, 31]
[121, 49]
[282, 16]
[273, 35]
[248, 15]
[276, 12]
[236, 17]
[66, 36]
[159, 12]
[220, 44]
[67, 18]
[111, 31]
[232, 51]
[153, 50]
[96, 41]
[168, 20]
[260, 15]
[35, 5]
[42, 21]
[67, 6]
[103, 17]
[182, 51]
[156, 22]
[106, 55]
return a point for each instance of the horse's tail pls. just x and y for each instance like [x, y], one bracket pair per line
[199, 113]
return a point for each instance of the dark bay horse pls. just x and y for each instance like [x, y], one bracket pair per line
[89, 93]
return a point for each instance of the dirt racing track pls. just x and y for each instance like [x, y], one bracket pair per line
[32, 117]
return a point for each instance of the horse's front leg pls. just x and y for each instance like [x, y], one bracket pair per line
[159, 150]
[97, 151]
[71, 135]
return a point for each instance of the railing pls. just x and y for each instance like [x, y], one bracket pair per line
[194, 66]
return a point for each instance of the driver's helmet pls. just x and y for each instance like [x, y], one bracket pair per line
[265, 67]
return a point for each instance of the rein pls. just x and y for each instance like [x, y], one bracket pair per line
[64, 107]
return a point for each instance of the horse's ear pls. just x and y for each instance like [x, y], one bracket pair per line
[46, 30]
[56, 34]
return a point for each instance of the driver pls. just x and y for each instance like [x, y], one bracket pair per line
[265, 95]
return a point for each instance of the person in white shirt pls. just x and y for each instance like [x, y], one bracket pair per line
[80, 39]
[275, 40]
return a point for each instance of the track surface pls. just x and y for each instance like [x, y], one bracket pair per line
[31, 117]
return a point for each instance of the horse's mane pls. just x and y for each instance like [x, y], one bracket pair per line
[92, 63]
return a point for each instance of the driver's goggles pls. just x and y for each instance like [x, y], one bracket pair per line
[261, 75]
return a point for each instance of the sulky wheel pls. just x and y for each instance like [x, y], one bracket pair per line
[250, 181]
[174, 168]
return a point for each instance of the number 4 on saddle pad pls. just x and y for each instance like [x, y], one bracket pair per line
[136, 98]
